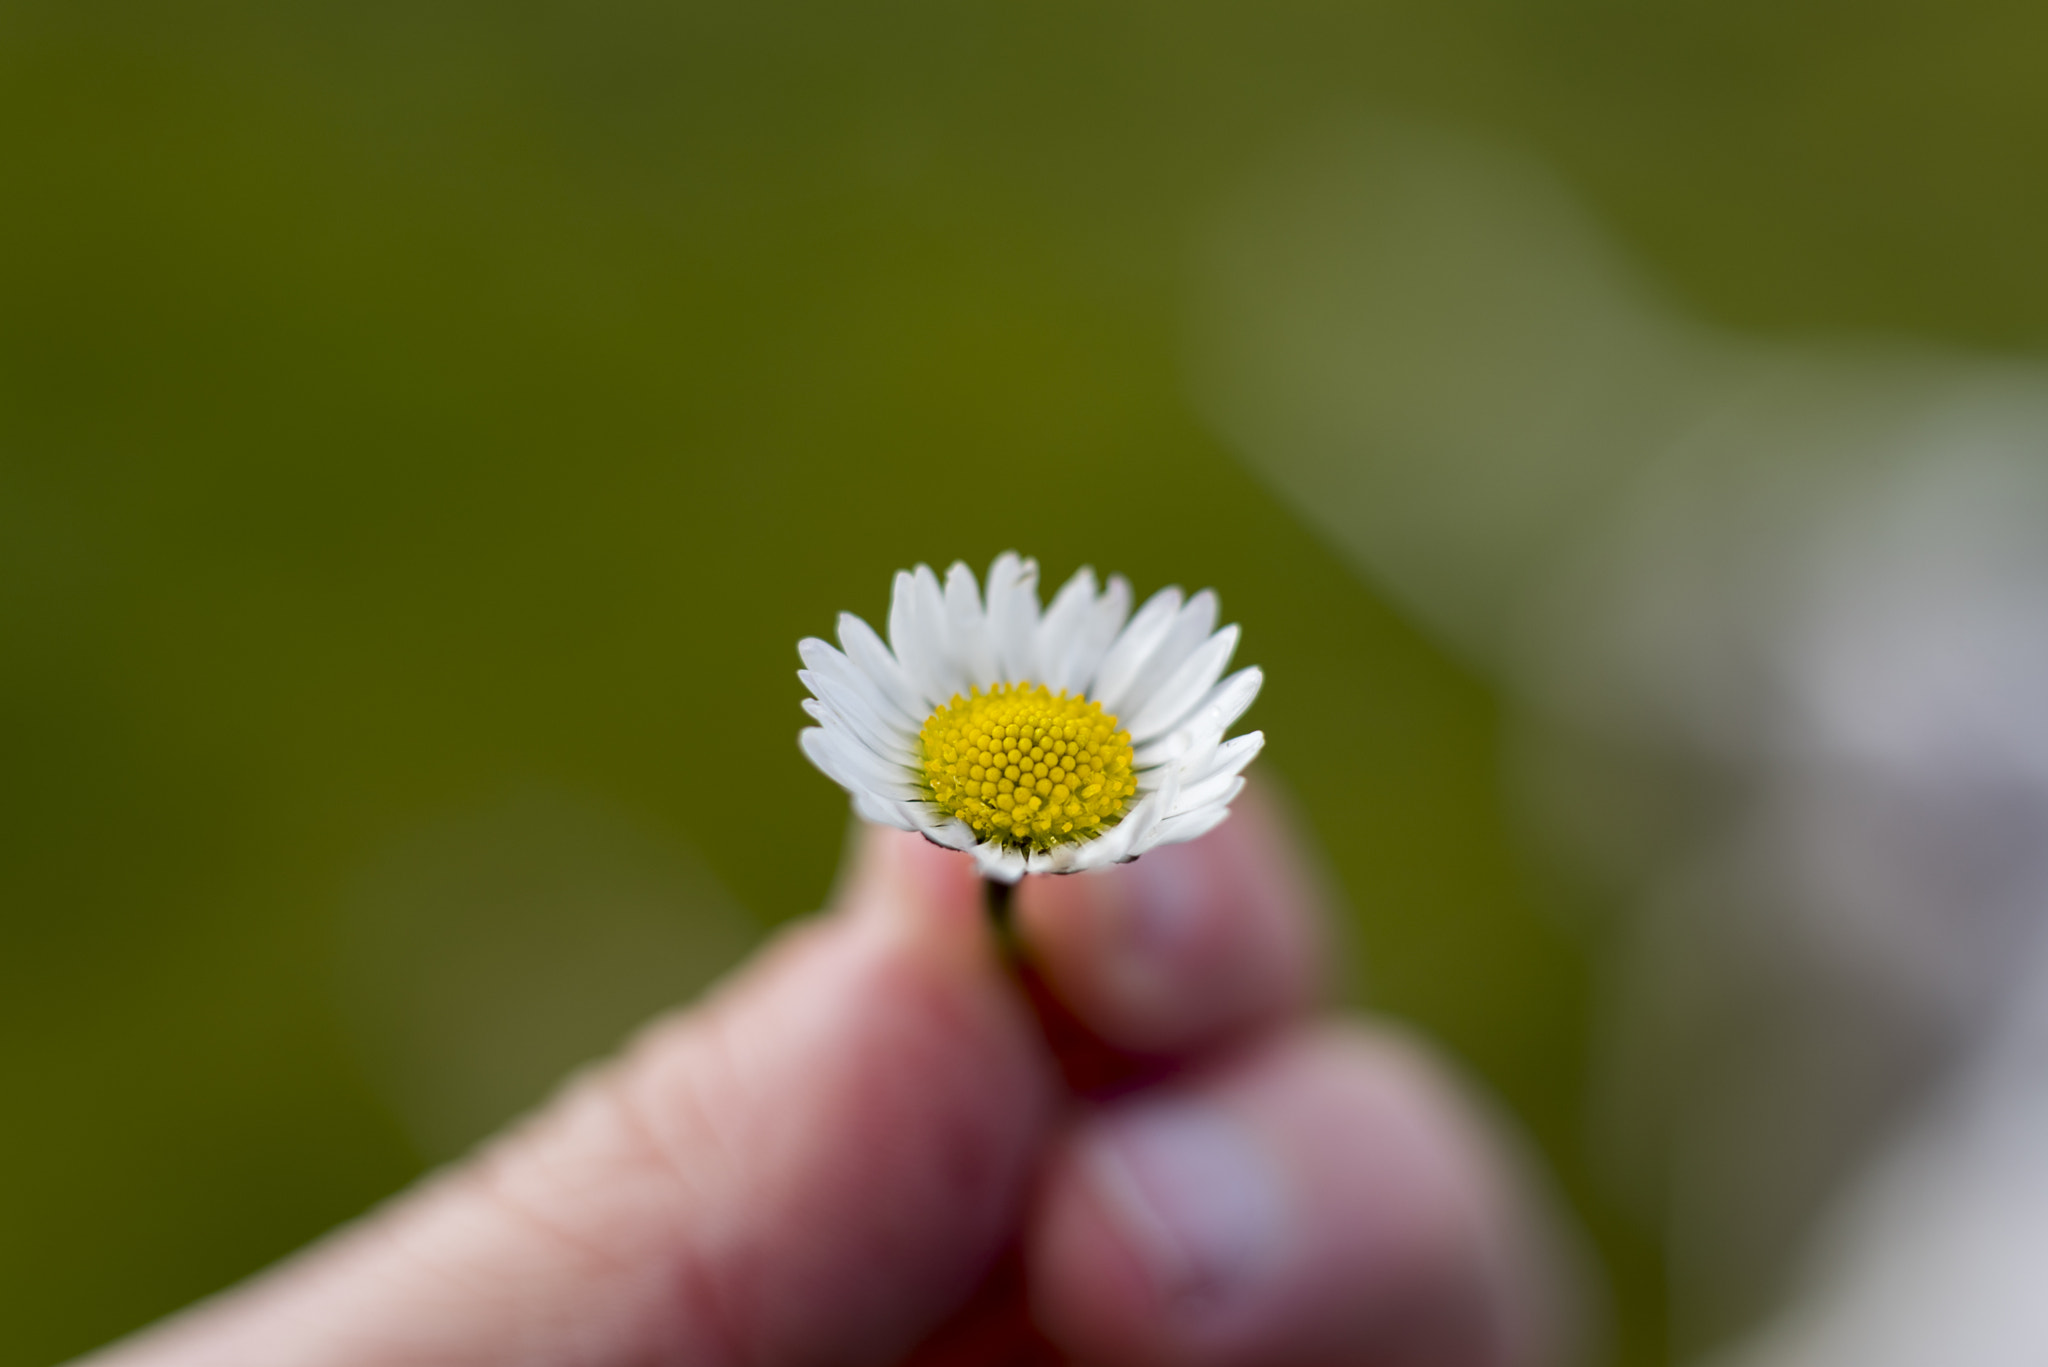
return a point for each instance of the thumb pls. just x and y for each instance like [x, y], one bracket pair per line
[815, 1166]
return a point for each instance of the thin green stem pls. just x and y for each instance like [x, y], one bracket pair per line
[1001, 921]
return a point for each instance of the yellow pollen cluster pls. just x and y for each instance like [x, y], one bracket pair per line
[1027, 767]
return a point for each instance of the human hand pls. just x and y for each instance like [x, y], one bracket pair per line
[871, 1146]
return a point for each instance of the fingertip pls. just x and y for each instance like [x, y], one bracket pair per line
[1088, 1288]
[900, 880]
[1165, 1216]
[1320, 1198]
[1186, 946]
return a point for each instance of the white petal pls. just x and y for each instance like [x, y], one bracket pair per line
[1216, 791]
[819, 747]
[882, 812]
[1184, 690]
[953, 833]
[1097, 634]
[1013, 617]
[1064, 858]
[1190, 825]
[1106, 849]
[917, 650]
[1236, 693]
[841, 689]
[1131, 836]
[1149, 780]
[821, 753]
[1137, 839]
[856, 762]
[834, 719]
[854, 767]
[1225, 704]
[864, 649]
[1187, 634]
[999, 863]
[1229, 758]
[1162, 804]
[949, 672]
[1181, 745]
[1061, 626]
[967, 628]
[1133, 647]
[824, 660]
[1110, 849]
[1205, 726]
[1204, 736]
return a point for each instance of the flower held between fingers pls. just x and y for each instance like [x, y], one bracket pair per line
[1041, 740]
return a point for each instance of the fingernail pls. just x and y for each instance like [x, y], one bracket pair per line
[1198, 1203]
[1156, 907]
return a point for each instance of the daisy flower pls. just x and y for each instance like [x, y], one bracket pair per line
[1040, 741]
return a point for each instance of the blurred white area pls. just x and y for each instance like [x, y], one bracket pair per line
[487, 955]
[1940, 1255]
[1775, 621]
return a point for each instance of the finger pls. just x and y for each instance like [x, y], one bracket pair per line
[815, 1167]
[1321, 1199]
[1186, 946]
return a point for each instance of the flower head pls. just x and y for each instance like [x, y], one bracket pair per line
[1042, 741]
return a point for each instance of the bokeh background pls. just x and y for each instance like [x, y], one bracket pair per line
[426, 429]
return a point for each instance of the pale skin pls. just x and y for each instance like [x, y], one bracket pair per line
[872, 1145]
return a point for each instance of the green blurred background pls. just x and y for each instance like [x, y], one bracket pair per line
[426, 429]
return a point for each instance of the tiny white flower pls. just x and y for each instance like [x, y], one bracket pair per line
[1040, 741]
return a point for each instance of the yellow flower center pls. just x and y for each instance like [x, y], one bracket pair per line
[1027, 767]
